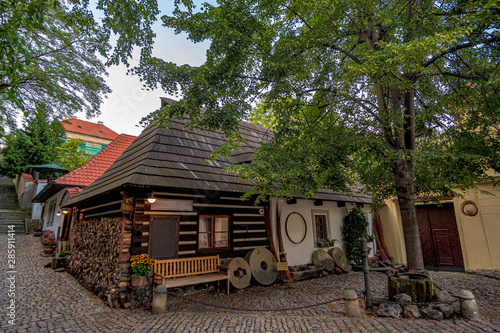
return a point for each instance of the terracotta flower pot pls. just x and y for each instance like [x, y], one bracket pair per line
[139, 281]
[49, 249]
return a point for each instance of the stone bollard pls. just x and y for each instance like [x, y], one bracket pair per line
[159, 304]
[468, 305]
[351, 304]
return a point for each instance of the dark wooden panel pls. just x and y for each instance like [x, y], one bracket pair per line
[426, 239]
[187, 248]
[140, 239]
[444, 252]
[443, 218]
[439, 236]
[164, 237]
[140, 217]
[139, 250]
[141, 227]
[250, 235]
[188, 237]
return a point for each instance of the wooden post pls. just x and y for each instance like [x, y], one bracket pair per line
[280, 240]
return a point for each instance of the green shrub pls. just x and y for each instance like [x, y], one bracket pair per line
[354, 227]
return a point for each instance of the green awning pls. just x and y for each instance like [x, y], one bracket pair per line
[49, 167]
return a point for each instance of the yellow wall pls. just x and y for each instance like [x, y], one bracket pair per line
[480, 234]
[84, 137]
[390, 219]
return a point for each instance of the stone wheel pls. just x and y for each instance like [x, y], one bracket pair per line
[321, 259]
[239, 272]
[262, 265]
[339, 257]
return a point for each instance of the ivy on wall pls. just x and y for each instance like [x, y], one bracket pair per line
[354, 227]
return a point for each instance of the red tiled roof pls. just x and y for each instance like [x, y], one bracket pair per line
[88, 128]
[90, 171]
[28, 178]
[72, 191]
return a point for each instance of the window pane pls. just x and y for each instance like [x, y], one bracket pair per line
[205, 224]
[205, 240]
[221, 224]
[221, 239]
[321, 226]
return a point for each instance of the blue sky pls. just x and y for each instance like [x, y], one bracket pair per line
[128, 103]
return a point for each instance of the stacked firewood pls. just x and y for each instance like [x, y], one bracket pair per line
[94, 260]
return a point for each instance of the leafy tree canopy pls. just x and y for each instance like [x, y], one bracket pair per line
[400, 96]
[35, 144]
[72, 155]
[52, 53]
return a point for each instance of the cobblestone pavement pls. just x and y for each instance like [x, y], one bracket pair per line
[47, 301]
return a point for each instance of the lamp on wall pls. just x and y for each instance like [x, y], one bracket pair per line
[65, 211]
[58, 213]
[151, 198]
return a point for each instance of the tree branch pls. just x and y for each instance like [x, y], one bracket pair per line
[346, 53]
[460, 47]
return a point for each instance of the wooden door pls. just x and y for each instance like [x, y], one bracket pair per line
[439, 237]
[164, 237]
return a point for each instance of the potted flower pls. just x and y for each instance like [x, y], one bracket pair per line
[141, 268]
[49, 246]
[37, 232]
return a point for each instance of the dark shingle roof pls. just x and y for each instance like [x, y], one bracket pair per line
[176, 158]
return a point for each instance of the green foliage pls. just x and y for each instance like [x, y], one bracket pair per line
[376, 93]
[353, 229]
[72, 155]
[141, 265]
[64, 254]
[324, 242]
[36, 144]
[52, 53]
[383, 83]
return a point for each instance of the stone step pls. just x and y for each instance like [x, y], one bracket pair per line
[13, 215]
[18, 228]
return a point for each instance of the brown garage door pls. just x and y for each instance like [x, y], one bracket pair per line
[439, 237]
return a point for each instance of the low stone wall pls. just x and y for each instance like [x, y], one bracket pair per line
[37, 223]
[96, 259]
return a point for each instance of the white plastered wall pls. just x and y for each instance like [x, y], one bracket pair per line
[300, 253]
[57, 221]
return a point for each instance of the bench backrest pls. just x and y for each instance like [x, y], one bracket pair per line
[187, 266]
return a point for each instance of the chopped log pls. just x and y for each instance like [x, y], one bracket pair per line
[321, 259]
[95, 259]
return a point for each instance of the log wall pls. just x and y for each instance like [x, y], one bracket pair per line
[247, 225]
[99, 258]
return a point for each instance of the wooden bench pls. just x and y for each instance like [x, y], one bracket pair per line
[174, 273]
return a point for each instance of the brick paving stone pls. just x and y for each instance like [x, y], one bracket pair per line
[55, 302]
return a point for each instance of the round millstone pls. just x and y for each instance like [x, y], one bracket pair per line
[239, 272]
[339, 257]
[262, 265]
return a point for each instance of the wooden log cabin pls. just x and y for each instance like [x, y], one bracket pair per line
[198, 210]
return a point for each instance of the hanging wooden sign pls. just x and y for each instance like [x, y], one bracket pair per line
[128, 206]
[282, 266]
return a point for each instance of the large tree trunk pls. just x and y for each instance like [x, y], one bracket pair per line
[403, 177]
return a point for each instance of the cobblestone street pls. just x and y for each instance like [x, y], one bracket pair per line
[47, 301]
